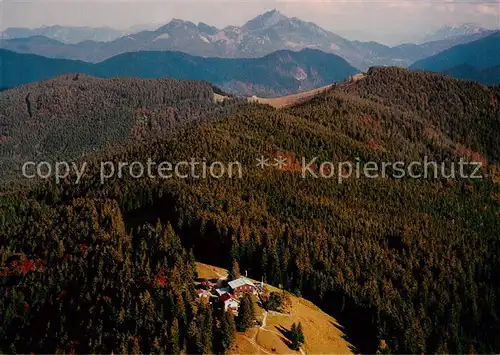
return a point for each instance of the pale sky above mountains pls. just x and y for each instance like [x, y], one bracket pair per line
[387, 21]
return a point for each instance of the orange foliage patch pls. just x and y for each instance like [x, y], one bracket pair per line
[325, 170]
[469, 154]
[24, 266]
[370, 120]
[375, 146]
[292, 164]
[161, 278]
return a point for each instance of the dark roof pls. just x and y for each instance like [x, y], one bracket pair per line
[225, 297]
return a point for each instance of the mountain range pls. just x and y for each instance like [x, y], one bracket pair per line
[267, 33]
[478, 60]
[75, 34]
[65, 34]
[452, 31]
[280, 73]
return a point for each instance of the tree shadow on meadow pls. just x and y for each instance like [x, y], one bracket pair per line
[286, 338]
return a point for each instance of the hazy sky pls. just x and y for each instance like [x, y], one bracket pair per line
[387, 21]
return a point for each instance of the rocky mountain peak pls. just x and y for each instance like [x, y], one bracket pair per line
[266, 20]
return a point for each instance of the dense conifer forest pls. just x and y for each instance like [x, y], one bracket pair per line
[411, 263]
[73, 115]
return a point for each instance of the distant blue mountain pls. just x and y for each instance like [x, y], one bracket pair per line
[17, 69]
[477, 56]
[66, 34]
[488, 76]
[280, 73]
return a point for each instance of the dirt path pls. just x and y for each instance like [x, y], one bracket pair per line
[263, 328]
[254, 343]
[264, 321]
[284, 101]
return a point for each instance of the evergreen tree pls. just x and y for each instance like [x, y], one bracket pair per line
[293, 336]
[228, 331]
[206, 329]
[29, 106]
[193, 339]
[383, 348]
[246, 313]
[234, 272]
[274, 302]
[296, 336]
[300, 334]
[174, 337]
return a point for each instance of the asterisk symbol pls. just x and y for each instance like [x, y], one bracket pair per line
[262, 162]
[280, 162]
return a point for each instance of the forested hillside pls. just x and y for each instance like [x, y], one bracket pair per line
[79, 282]
[72, 115]
[411, 264]
[448, 112]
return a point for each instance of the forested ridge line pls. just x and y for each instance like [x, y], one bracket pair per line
[74, 115]
[411, 262]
